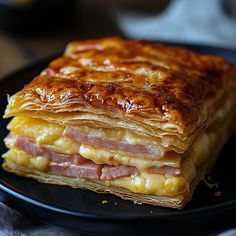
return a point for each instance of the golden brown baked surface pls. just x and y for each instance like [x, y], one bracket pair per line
[132, 77]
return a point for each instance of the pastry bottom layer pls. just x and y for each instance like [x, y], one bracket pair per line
[97, 186]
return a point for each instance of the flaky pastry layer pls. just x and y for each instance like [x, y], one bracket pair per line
[162, 91]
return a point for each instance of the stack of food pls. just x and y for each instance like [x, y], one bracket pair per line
[133, 118]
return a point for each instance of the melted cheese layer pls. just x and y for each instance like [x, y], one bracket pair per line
[100, 156]
[22, 158]
[144, 183]
[50, 134]
[48, 131]
[45, 133]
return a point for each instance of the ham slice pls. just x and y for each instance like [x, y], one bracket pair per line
[164, 170]
[28, 146]
[113, 172]
[77, 166]
[88, 170]
[109, 144]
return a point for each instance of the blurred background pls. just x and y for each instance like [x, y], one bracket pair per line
[34, 29]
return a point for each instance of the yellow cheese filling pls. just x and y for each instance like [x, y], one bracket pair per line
[111, 157]
[199, 153]
[42, 129]
[45, 133]
[25, 159]
[144, 183]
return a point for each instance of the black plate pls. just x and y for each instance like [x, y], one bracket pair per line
[83, 210]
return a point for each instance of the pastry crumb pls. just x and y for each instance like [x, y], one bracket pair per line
[104, 201]
[218, 193]
[215, 186]
[210, 185]
[209, 178]
[136, 202]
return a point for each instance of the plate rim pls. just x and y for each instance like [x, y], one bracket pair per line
[183, 213]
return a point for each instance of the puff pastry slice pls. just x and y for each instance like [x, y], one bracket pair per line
[140, 120]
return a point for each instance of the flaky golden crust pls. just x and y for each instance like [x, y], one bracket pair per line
[166, 92]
